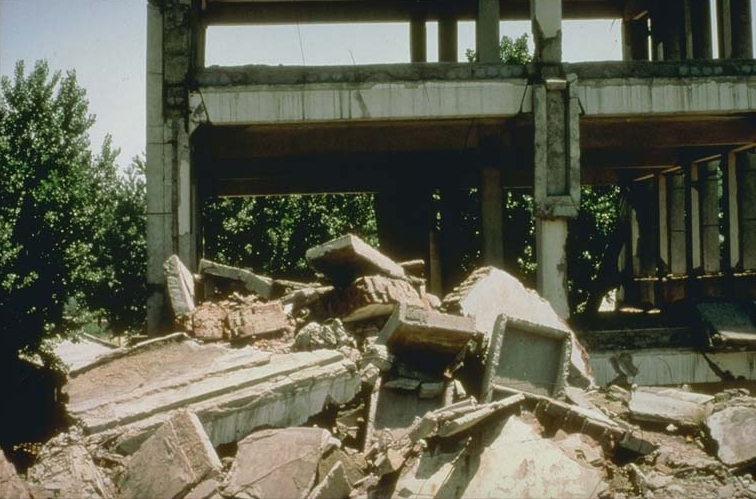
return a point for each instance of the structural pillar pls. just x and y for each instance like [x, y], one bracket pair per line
[418, 37]
[667, 30]
[662, 224]
[677, 254]
[710, 254]
[694, 219]
[487, 31]
[556, 153]
[447, 34]
[635, 39]
[172, 204]
[747, 166]
[492, 215]
[734, 29]
[699, 35]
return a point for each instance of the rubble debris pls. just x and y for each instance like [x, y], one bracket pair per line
[580, 447]
[232, 391]
[670, 406]
[372, 296]
[253, 320]
[529, 357]
[489, 292]
[280, 463]
[414, 267]
[732, 430]
[413, 330]
[333, 486]
[208, 322]
[259, 285]
[330, 334]
[174, 459]
[11, 485]
[206, 489]
[179, 283]
[344, 259]
[64, 468]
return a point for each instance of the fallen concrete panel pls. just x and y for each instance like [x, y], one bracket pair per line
[179, 283]
[11, 485]
[527, 357]
[172, 461]
[346, 258]
[333, 486]
[261, 286]
[418, 330]
[85, 350]
[728, 323]
[254, 320]
[669, 405]
[278, 463]
[371, 296]
[732, 429]
[65, 468]
[232, 391]
[489, 292]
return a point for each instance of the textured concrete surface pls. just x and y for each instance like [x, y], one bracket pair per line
[261, 286]
[11, 485]
[179, 283]
[669, 405]
[346, 258]
[731, 429]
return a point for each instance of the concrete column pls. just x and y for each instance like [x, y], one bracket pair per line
[635, 39]
[667, 23]
[447, 36]
[662, 224]
[694, 219]
[551, 254]
[644, 233]
[700, 29]
[747, 166]
[487, 31]
[734, 29]
[546, 18]
[677, 253]
[452, 243]
[724, 29]
[732, 220]
[418, 37]
[492, 216]
[709, 174]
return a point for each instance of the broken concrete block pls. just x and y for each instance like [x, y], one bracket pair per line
[528, 357]
[466, 421]
[669, 405]
[254, 320]
[489, 292]
[208, 322]
[580, 447]
[179, 283]
[390, 461]
[232, 391]
[278, 463]
[732, 430]
[206, 489]
[11, 485]
[431, 390]
[259, 285]
[333, 486]
[331, 334]
[415, 330]
[172, 461]
[408, 384]
[353, 470]
[64, 468]
[370, 297]
[346, 258]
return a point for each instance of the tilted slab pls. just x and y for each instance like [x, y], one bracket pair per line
[232, 391]
[261, 286]
[669, 405]
[346, 258]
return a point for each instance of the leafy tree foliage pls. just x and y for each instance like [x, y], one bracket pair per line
[511, 50]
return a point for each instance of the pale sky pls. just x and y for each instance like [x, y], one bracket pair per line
[104, 41]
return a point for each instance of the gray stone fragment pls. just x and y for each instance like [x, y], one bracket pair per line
[204, 490]
[274, 464]
[333, 486]
[733, 431]
[179, 283]
[11, 485]
[669, 405]
[252, 320]
[403, 384]
[261, 286]
[346, 258]
[174, 459]
[330, 334]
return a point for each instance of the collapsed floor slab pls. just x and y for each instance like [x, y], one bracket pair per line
[232, 391]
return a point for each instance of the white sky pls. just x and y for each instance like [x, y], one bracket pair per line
[104, 41]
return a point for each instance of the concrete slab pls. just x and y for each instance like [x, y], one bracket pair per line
[728, 323]
[252, 320]
[278, 463]
[669, 405]
[85, 350]
[732, 430]
[346, 258]
[172, 461]
[260, 285]
[11, 485]
[179, 283]
[333, 486]
[232, 391]
[414, 329]
[371, 296]
[489, 292]
[524, 356]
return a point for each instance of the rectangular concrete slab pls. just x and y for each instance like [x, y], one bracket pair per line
[179, 283]
[371, 296]
[172, 461]
[346, 258]
[669, 405]
[260, 285]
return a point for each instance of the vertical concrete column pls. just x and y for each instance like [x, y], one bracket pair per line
[709, 175]
[747, 166]
[734, 29]
[700, 29]
[453, 200]
[492, 215]
[667, 30]
[546, 19]
[662, 224]
[447, 34]
[635, 39]
[694, 219]
[418, 37]
[731, 257]
[677, 253]
[487, 31]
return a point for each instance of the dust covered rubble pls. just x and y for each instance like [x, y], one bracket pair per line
[366, 385]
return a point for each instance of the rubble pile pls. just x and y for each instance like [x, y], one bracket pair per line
[367, 386]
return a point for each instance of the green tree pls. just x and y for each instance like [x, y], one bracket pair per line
[52, 203]
[511, 51]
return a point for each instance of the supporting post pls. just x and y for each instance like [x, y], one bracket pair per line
[700, 27]
[418, 37]
[487, 31]
[710, 217]
[677, 253]
[447, 35]
[635, 39]
[662, 224]
[747, 166]
[694, 219]
[735, 29]
[492, 215]
[551, 254]
[546, 18]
